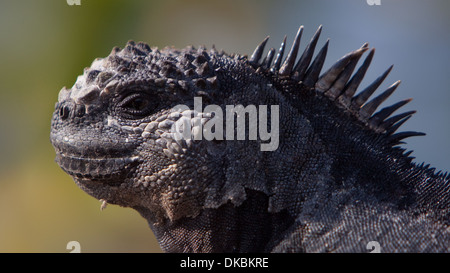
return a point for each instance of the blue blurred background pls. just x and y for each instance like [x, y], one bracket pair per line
[44, 45]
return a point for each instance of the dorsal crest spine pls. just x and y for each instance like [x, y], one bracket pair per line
[337, 83]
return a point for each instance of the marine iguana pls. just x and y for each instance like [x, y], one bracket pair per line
[337, 179]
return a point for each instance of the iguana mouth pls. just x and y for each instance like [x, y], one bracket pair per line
[96, 168]
[85, 158]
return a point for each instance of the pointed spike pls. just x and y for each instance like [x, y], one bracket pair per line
[256, 56]
[395, 138]
[213, 49]
[397, 125]
[353, 84]
[276, 65]
[366, 93]
[288, 64]
[392, 120]
[408, 153]
[369, 108]
[328, 78]
[305, 59]
[384, 113]
[365, 45]
[115, 50]
[312, 74]
[268, 59]
[339, 84]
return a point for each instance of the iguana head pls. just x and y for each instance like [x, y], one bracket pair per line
[113, 130]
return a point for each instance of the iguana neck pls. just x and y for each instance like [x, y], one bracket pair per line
[248, 227]
[358, 163]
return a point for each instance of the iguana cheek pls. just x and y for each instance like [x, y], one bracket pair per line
[177, 189]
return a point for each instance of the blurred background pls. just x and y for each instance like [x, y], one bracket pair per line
[44, 45]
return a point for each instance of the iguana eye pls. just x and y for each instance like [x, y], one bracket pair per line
[137, 105]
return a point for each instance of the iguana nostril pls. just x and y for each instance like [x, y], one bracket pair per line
[64, 112]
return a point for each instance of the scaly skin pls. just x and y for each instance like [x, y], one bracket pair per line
[336, 181]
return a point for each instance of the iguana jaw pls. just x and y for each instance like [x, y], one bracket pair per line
[97, 169]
